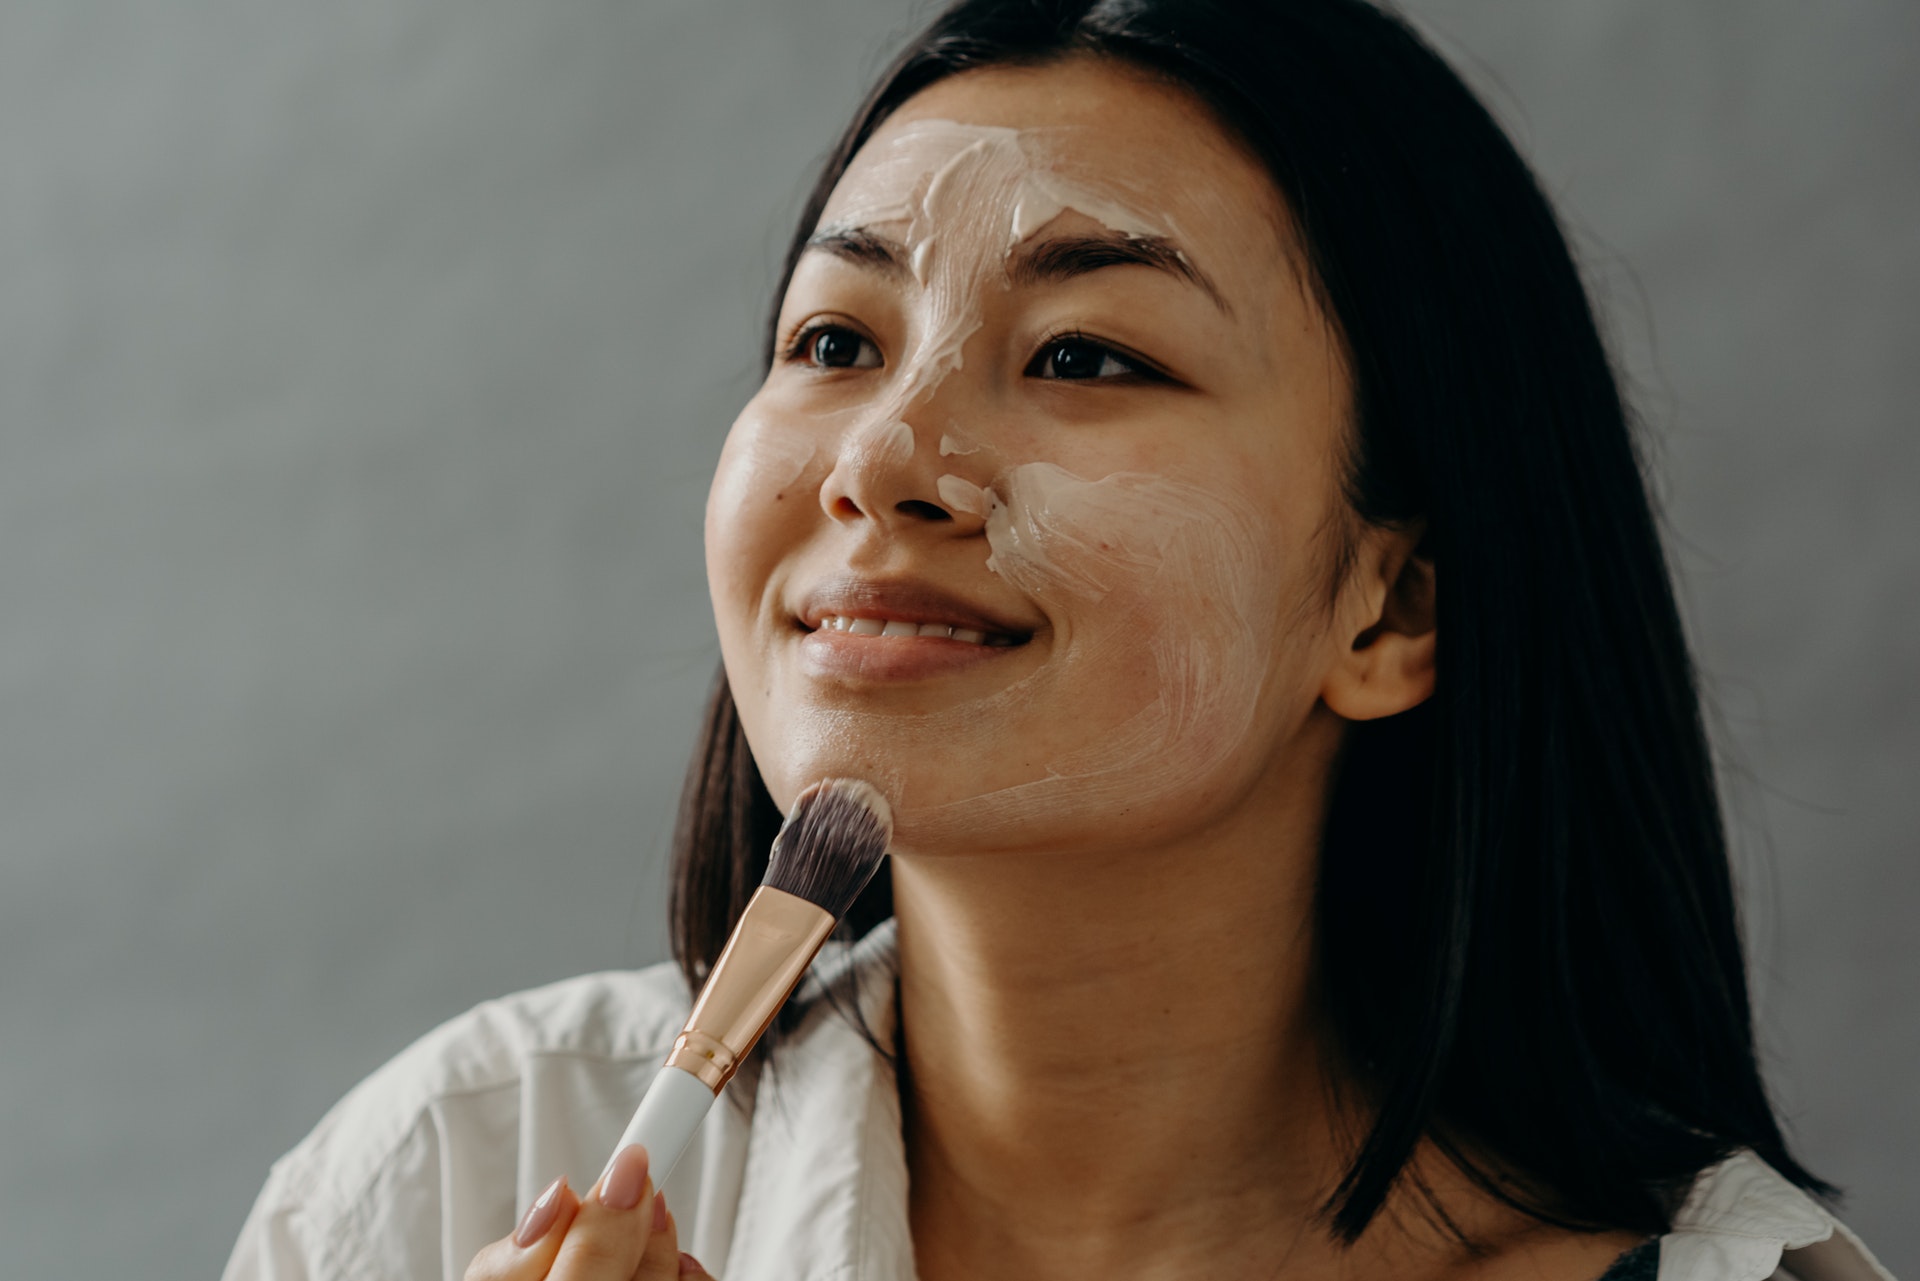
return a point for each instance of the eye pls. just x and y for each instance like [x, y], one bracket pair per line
[836, 347]
[1083, 359]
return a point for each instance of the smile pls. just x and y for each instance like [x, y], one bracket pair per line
[850, 625]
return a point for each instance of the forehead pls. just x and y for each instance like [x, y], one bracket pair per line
[1099, 124]
[1130, 108]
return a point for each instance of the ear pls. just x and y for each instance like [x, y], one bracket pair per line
[1385, 622]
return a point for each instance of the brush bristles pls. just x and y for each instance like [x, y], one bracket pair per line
[832, 844]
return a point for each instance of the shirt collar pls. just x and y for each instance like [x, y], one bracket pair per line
[824, 1196]
[1742, 1215]
[825, 1186]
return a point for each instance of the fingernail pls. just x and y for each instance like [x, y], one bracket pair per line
[540, 1215]
[689, 1264]
[659, 1212]
[626, 1179]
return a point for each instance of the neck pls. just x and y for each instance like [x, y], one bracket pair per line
[1108, 1049]
[1115, 1066]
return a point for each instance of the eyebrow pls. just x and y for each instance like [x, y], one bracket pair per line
[1064, 257]
[862, 248]
[1050, 262]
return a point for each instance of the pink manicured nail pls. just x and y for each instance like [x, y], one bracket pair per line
[659, 1212]
[540, 1215]
[689, 1264]
[626, 1179]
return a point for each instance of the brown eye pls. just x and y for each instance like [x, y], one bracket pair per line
[836, 348]
[1080, 358]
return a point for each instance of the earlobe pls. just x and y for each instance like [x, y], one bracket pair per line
[1387, 666]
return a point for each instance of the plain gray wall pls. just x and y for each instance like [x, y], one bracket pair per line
[362, 367]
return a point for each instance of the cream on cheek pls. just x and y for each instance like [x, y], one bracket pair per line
[1144, 567]
[1165, 600]
[1163, 592]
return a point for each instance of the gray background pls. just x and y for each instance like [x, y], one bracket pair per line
[362, 367]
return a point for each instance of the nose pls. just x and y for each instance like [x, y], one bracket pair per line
[887, 473]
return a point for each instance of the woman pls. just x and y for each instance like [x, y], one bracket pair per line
[1189, 482]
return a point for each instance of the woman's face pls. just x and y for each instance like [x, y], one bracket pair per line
[1057, 416]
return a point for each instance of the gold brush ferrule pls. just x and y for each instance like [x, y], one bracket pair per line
[771, 947]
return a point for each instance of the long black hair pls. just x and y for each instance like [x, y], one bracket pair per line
[1529, 952]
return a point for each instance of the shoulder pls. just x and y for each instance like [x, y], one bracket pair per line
[463, 1098]
[1743, 1220]
[491, 1048]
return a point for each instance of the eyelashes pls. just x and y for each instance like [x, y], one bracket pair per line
[1069, 356]
[830, 346]
[1074, 357]
[822, 338]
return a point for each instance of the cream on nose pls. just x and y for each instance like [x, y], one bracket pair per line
[895, 440]
[961, 494]
[884, 441]
[883, 470]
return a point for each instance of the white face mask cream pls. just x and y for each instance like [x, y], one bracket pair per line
[1170, 570]
[1161, 591]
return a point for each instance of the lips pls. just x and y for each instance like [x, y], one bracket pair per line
[869, 608]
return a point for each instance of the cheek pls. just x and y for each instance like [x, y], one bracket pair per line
[1173, 579]
[1166, 599]
[758, 488]
[757, 502]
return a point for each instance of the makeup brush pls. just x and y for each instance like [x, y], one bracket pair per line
[827, 851]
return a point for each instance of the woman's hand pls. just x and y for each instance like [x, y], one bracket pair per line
[620, 1231]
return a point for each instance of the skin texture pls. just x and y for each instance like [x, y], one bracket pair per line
[1129, 527]
[1106, 833]
[1168, 579]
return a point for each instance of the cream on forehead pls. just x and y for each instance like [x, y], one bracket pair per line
[969, 195]
[927, 168]
[1172, 581]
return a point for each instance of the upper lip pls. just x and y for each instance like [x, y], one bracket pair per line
[906, 601]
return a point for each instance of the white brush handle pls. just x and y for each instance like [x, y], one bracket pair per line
[668, 1117]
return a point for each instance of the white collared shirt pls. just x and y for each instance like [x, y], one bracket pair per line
[798, 1175]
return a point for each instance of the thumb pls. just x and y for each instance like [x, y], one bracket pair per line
[690, 1268]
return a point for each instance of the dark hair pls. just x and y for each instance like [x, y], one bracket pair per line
[1528, 944]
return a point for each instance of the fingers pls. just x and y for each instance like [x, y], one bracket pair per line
[621, 1231]
[610, 1233]
[690, 1269]
[528, 1254]
[661, 1262]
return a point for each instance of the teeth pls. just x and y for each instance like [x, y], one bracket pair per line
[894, 627]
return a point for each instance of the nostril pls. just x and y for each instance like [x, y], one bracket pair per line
[922, 510]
